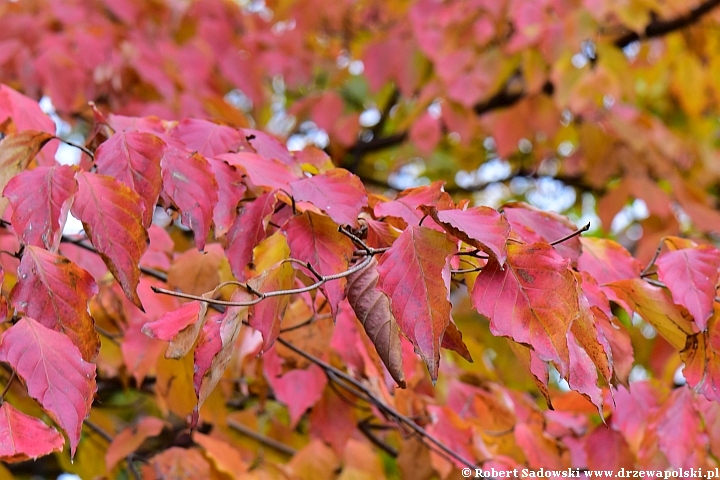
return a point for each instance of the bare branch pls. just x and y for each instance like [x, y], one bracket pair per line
[270, 442]
[658, 28]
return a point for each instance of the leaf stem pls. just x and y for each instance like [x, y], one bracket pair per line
[85, 150]
[573, 234]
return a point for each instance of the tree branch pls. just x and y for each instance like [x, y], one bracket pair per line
[658, 28]
[259, 437]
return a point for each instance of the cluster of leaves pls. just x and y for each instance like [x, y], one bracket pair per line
[342, 290]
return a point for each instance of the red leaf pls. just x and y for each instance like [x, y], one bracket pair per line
[266, 316]
[338, 193]
[415, 274]
[691, 275]
[680, 431]
[23, 437]
[179, 327]
[372, 308]
[405, 205]
[315, 239]
[130, 439]
[267, 146]
[134, 159]
[189, 182]
[17, 151]
[111, 213]
[247, 231]
[534, 225]
[533, 301]
[54, 372]
[231, 191]
[298, 389]
[41, 199]
[55, 292]
[482, 227]
[261, 171]
[24, 111]
[207, 138]
[606, 260]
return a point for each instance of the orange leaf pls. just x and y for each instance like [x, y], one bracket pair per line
[55, 292]
[130, 439]
[111, 213]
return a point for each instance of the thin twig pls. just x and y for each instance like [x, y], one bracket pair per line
[387, 410]
[571, 235]
[466, 270]
[7, 386]
[367, 429]
[263, 295]
[652, 261]
[79, 147]
[270, 442]
[96, 428]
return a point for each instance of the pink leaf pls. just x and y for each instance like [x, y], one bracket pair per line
[54, 372]
[298, 389]
[207, 138]
[134, 159]
[337, 192]
[189, 183]
[691, 275]
[534, 225]
[23, 437]
[262, 172]
[180, 327]
[482, 227]
[40, 199]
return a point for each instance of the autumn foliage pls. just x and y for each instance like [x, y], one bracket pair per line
[349, 239]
